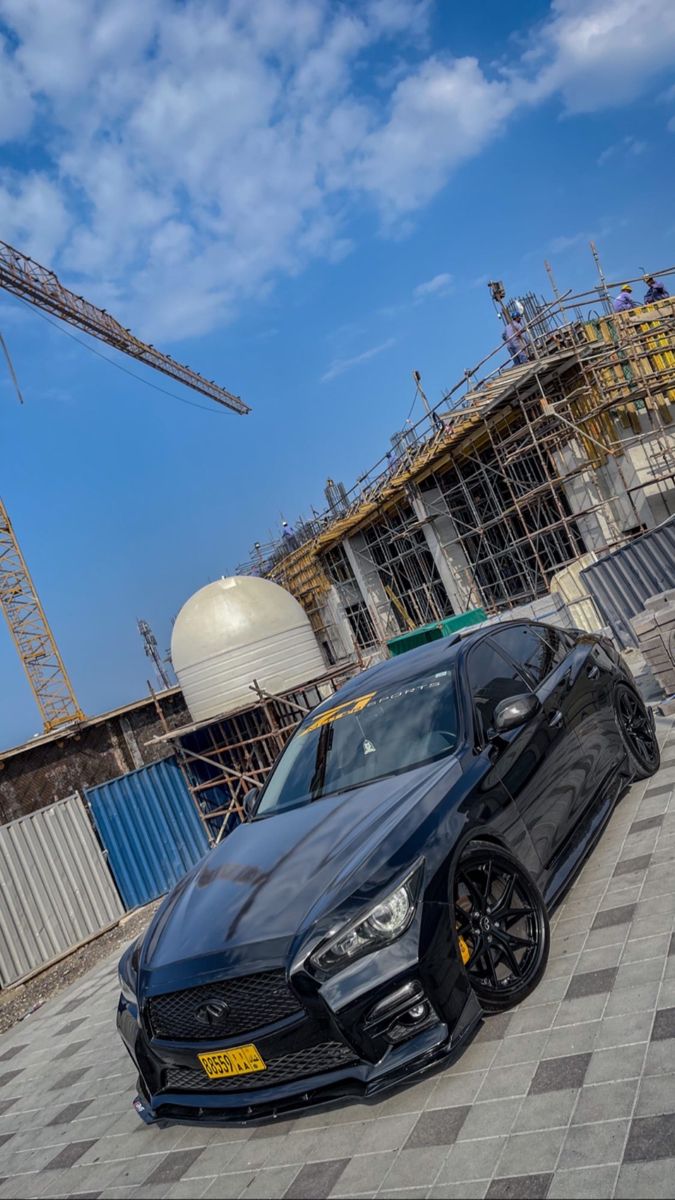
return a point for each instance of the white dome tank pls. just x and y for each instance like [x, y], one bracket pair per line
[234, 631]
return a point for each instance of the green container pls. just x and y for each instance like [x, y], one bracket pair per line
[434, 631]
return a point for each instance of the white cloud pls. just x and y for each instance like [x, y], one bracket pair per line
[440, 285]
[564, 242]
[16, 103]
[340, 365]
[399, 16]
[559, 245]
[442, 114]
[600, 53]
[191, 154]
[630, 147]
[200, 150]
[33, 215]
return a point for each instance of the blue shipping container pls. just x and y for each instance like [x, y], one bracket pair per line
[150, 828]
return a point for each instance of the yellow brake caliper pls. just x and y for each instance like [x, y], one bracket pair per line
[463, 949]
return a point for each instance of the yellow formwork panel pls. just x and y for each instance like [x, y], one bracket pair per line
[645, 357]
[302, 574]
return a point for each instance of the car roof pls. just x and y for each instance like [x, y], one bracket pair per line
[404, 667]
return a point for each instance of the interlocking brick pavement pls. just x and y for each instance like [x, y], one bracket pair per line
[570, 1095]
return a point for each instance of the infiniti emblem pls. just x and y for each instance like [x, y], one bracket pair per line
[213, 1012]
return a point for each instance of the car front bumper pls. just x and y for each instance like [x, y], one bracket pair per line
[393, 1014]
[356, 1080]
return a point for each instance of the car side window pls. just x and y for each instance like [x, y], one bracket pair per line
[491, 678]
[558, 642]
[532, 653]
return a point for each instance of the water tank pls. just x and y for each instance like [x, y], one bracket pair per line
[234, 631]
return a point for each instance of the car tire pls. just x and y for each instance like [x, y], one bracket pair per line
[637, 732]
[502, 926]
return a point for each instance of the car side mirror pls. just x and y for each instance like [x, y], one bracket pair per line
[515, 711]
[251, 802]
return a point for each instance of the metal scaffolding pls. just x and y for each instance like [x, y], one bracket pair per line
[398, 549]
[517, 473]
[341, 574]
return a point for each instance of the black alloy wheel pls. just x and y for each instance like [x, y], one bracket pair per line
[637, 732]
[502, 926]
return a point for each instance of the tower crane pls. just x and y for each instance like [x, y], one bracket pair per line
[32, 636]
[20, 603]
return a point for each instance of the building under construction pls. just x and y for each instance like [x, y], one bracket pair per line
[517, 479]
[513, 477]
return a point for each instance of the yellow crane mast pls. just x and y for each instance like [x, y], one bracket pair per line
[32, 636]
[20, 603]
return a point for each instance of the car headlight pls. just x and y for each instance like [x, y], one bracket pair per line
[127, 971]
[382, 924]
[126, 988]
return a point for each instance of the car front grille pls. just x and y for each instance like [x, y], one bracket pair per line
[252, 1001]
[313, 1060]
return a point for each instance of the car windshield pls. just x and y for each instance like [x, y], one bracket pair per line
[375, 733]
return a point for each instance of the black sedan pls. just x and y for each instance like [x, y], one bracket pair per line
[394, 882]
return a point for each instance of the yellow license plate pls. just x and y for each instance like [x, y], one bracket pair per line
[240, 1060]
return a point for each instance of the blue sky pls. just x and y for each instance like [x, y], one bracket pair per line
[271, 192]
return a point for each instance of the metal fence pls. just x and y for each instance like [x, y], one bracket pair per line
[55, 887]
[621, 582]
[149, 824]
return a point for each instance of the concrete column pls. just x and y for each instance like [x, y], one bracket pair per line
[607, 485]
[371, 586]
[337, 625]
[653, 456]
[446, 550]
[583, 490]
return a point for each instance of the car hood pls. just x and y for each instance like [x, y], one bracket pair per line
[251, 896]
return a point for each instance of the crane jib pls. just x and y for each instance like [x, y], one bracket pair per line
[34, 283]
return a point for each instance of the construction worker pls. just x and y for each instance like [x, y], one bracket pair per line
[624, 300]
[655, 290]
[517, 339]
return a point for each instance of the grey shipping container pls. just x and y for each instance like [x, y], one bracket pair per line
[55, 887]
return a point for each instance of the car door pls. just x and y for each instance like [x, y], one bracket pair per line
[589, 710]
[539, 761]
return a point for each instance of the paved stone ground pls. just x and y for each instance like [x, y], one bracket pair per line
[571, 1095]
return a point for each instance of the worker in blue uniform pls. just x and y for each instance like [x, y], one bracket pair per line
[624, 300]
[517, 339]
[655, 290]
